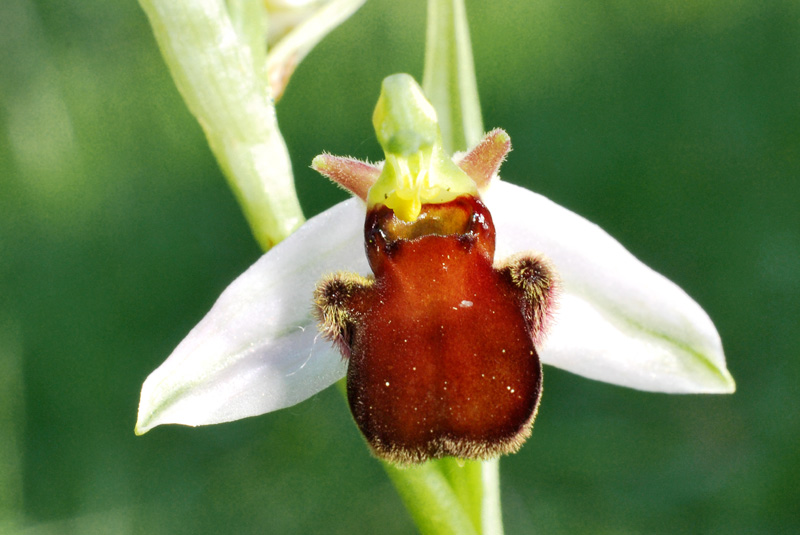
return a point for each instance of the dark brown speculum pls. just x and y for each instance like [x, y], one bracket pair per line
[441, 342]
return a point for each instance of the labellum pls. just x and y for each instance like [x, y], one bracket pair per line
[441, 341]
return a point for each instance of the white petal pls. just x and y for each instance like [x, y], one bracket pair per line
[618, 321]
[258, 349]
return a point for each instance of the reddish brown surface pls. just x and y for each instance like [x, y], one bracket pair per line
[442, 361]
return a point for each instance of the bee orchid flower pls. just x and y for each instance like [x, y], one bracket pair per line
[453, 267]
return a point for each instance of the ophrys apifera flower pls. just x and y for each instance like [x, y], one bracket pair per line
[259, 348]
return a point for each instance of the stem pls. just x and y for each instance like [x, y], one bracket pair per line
[491, 510]
[466, 479]
[449, 78]
[431, 500]
[220, 70]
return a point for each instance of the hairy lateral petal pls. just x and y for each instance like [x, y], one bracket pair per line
[258, 349]
[617, 321]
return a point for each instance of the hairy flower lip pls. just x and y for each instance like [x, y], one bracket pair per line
[258, 349]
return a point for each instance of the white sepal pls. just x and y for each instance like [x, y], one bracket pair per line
[617, 321]
[258, 349]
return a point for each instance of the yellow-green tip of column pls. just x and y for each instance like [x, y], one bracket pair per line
[417, 171]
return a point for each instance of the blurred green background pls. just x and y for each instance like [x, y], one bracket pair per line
[674, 125]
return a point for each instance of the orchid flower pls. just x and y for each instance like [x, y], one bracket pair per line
[260, 348]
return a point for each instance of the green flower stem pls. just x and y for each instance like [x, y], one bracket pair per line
[431, 499]
[491, 510]
[465, 478]
[449, 77]
[219, 68]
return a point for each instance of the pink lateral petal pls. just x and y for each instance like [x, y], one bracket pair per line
[353, 175]
[484, 160]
